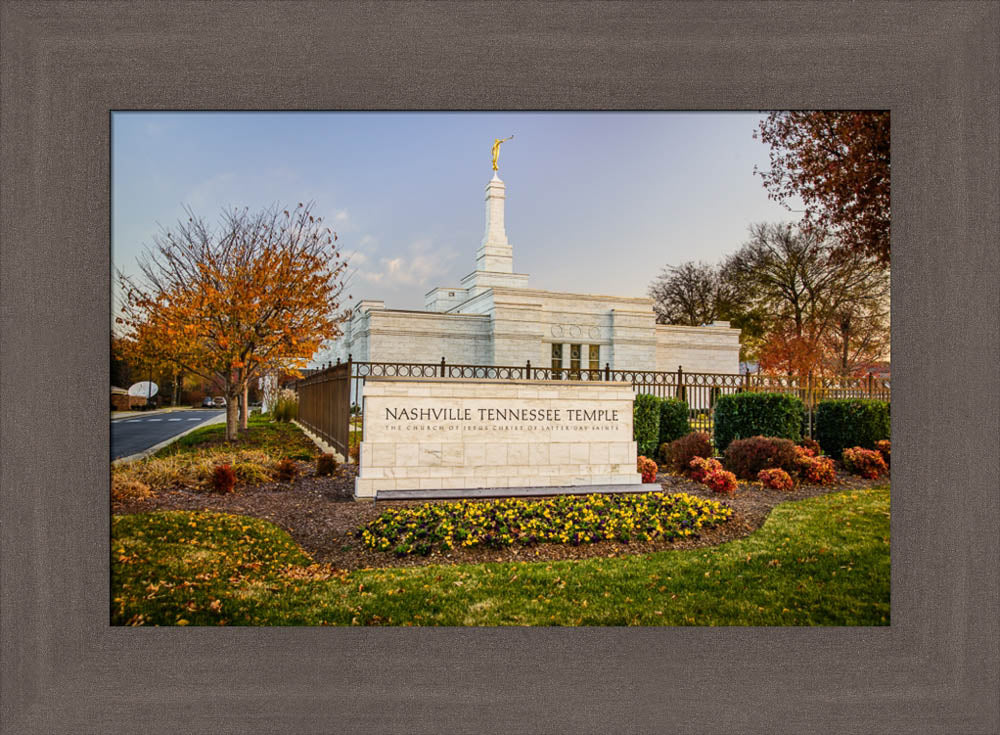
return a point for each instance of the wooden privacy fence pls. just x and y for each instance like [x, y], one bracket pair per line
[328, 397]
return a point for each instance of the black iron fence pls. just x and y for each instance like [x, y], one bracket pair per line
[699, 390]
[325, 404]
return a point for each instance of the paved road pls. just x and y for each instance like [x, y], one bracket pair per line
[134, 434]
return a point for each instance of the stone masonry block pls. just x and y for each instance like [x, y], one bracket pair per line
[428, 454]
[538, 454]
[496, 455]
[579, 453]
[406, 455]
[383, 454]
[475, 454]
[452, 454]
[600, 452]
[559, 453]
[518, 454]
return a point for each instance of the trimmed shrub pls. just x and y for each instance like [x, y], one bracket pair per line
[776, 479]
[678, 454]
[747, 457]
[326, 464]
[721, 482]
[673, 420]
[700, 468]
[742, 415]
[865, 462]
[818, 471]
[223, 479]
[851, 422]
[287, 470]
[883, 446]
[354, 452]
[646, 423]
[647, 468]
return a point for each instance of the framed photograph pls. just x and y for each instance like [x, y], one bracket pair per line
[85, 87]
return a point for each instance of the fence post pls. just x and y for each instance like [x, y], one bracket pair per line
[870, 385]
[527, 370]
[350, 405]
[442, 366]
[607, 371]
[746, 381]
[681, 393]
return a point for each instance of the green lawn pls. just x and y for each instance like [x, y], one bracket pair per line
[821, 561]
[279, 438]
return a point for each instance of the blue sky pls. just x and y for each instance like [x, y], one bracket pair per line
[596, 202]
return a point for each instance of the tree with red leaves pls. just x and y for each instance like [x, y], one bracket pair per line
[837, 163]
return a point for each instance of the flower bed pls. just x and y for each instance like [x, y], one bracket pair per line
[566, 519]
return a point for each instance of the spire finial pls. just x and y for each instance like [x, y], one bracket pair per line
[496, 151]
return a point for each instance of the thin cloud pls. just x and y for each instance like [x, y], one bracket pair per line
[417, 267]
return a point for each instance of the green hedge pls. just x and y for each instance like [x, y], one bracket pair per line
[673, 420]
[646, 424]
[742, 415]
[851, 422]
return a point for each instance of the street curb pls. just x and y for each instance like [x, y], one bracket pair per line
[132, 414]
[220, 419]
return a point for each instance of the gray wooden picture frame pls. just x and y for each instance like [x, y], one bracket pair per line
[66, 65]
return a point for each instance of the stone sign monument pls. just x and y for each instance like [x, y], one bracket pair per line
[438, 435]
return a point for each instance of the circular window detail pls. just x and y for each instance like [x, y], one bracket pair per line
[574, 331]
[557, 331]
[595, 333]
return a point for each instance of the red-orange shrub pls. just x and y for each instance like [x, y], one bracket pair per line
[287, 470]
[721, 481]
[801, 451]
[677, 455]
[812, 444]
[223, 479]
[818, 471]
[647, 468]
[700, 468]
[776, 479]
[865, 462]
[883, 446]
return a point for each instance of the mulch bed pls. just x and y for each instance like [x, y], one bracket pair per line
[321, 516]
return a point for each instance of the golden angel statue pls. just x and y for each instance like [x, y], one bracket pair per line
[496, 149]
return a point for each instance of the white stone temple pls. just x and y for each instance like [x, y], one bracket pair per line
[495, 318]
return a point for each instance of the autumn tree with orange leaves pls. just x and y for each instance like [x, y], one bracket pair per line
[260, 292]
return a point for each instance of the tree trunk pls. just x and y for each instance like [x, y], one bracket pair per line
[232, 415]
[245, 408]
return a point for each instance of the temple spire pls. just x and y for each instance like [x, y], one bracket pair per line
[495, 253]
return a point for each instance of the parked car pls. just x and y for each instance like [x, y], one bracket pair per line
[219, 401]
[207, 402]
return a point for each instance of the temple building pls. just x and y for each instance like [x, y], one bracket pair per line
[493, 317]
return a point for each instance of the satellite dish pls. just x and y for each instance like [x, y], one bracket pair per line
[143, 389]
